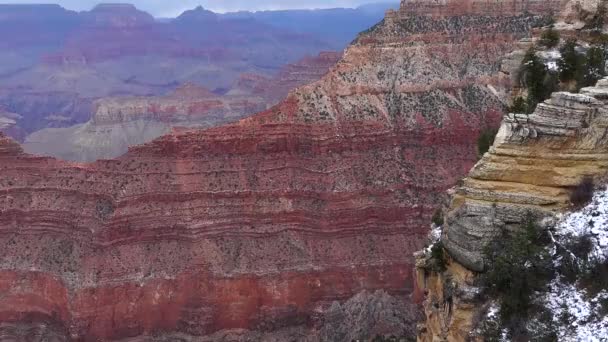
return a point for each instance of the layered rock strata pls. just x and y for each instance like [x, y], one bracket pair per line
[270, 223]
[445, 8]
[535, 162]
[120, 122]
[305, 71]
[57, 63]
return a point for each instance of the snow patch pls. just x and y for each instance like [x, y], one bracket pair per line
[434, 237]
[575, 314]
[550, 58]
[592, 220]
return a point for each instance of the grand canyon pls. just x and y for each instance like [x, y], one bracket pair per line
[62, 63]
[287, 204]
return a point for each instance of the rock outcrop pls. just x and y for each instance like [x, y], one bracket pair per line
[271, 223]
[535, 162]
[121, 122]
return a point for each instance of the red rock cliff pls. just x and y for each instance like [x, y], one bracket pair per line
[267, 224]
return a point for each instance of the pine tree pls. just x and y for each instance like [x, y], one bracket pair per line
[595, 66]
[570, 63]
[537, 79]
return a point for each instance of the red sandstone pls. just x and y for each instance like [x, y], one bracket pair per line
[269, 219]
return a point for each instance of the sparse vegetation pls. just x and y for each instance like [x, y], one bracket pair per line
[549, 38]
[582, 193]
[438, 217]
[486, 140]
[518, 266]
[438, 262]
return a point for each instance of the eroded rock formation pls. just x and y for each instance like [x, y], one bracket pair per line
[534, 163]
[56, 63]
[120, 122]
[271, 223]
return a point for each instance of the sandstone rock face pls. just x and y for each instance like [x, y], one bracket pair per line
[281, 223]
[535, 161]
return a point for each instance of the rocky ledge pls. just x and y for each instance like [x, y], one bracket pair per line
[535, 162]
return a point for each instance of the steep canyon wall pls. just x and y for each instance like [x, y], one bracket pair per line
[289, 218]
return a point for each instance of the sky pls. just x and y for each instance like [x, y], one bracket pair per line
[172, 8]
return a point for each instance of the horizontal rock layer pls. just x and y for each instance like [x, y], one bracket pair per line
[264, 223]
[120, 122]
[480, 7]
[534, 164]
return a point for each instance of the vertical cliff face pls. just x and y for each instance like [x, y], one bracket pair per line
[535, 162]
[288, 224]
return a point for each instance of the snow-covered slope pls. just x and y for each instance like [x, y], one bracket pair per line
[579, 314]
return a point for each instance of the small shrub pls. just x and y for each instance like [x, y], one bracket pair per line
[568, 268]
[595, 278]
[582, 246]
[519, 106]
[603, 308]
[533, 73]
[582, 193]
[438, 258]
[549, 38]
[594, 67]
[491, 330]
[486, 140]
[537, 79]
[571, 62]
[518, 266]
[438, 217]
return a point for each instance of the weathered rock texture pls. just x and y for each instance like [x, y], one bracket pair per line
[531, 168]
[269, 223]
